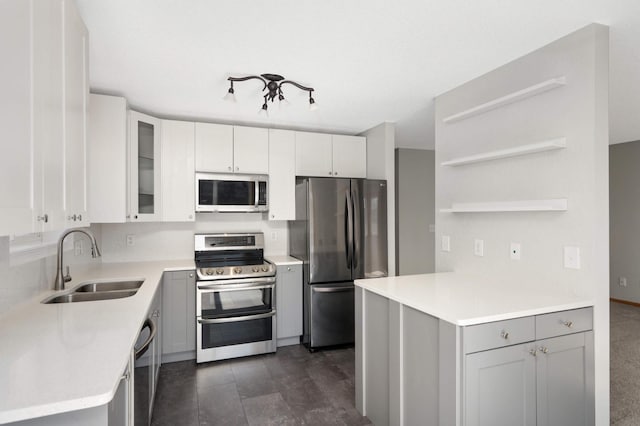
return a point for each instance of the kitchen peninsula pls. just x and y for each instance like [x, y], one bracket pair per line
[451, 349]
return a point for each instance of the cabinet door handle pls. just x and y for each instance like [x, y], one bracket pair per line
[237, 168]
[80, 217]
[544, 350]
[44, 218]
[289, 268]
[335, 173]
[532, 352]
[568, 323]
[504, 335]
[330, 173]
[230, 168]
[191, 275]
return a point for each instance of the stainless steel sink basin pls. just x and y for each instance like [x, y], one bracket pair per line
[90, 296]
[109, 286]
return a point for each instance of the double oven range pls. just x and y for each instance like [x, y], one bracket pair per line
[235, 297]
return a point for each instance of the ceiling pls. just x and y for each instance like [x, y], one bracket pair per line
[370, 61]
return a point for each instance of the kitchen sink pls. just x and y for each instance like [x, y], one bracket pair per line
[109, 286]
[90, 296]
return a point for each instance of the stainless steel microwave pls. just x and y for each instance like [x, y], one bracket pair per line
[231, 193]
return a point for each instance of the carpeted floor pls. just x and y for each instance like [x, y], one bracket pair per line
[625, 365]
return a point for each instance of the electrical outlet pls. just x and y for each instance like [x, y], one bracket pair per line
[572, 257]
[131, 240]
[478, 247]
[432, 227]
[274, 236]
[515, 251]
[622, 281]
[445, 243]
[77, 248]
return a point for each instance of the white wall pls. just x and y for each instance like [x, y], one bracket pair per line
[415, 213]
[381, 165]
[577, 111]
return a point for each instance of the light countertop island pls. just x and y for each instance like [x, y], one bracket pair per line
[453, 349]
[463, 299]
[59, 358]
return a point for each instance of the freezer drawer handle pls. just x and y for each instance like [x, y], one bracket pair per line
[331, 289]
[236, 319]
[152, 334]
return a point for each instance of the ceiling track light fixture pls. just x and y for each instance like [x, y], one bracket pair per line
[273, 85]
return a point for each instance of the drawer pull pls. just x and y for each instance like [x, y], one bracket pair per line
[568, 323]
[544, 350]
[504, 335]
[533, 352]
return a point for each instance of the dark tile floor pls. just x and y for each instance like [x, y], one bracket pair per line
[290, 387]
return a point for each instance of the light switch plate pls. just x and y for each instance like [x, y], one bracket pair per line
[478, 247]
[446, 243]
[572, 257]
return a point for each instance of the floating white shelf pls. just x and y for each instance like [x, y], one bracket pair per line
[549, 145]
[556, 204]
[507, 99]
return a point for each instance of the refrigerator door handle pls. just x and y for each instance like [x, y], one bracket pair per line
[348, 229]
[355, 234]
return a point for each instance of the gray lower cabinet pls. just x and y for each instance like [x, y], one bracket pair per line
[179, 316]
[545, 383]
[289, 304]
[500, 387]
[414, 368]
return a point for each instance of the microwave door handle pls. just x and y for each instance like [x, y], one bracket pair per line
[256, 193]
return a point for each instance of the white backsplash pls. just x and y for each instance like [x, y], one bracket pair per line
[164, 241]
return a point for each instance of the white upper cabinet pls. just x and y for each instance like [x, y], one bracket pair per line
[250, 150]
[144, 168]
[214, 148]
[178, 171]
[231, 149]
[326, 155]
[76, 94]
[313, 154]
[42, 114]
[349, 156]
[107, 159]
[17, 164]
[282, 174]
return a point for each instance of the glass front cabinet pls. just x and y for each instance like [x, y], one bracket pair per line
[144, 168]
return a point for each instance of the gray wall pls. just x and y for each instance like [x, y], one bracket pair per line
[624, 225]
[415, 198]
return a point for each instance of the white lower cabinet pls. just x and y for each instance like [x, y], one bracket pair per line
[178, 316]
[289, 303]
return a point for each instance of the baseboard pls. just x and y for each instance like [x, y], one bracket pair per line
[288, 341]
[626, 302]
[177, 357]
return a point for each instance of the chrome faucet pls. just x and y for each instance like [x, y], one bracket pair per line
[95, 252]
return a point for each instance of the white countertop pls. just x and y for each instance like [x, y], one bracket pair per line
[283, 260]
[64, 357]
[468, 299]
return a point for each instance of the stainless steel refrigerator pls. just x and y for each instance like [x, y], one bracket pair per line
[340, 234]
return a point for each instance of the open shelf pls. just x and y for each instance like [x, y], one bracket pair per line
[507, 99]
[556, 204]
[549, 145]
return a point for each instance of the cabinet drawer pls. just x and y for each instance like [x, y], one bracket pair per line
[564, 322]
[498, 334]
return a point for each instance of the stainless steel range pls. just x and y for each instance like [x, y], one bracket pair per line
[235, 300]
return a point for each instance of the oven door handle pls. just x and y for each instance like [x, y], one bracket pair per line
[235, 287]
[236, 319]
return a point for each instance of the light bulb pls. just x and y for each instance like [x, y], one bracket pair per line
[230, 96]
[263, 110]
[312, 104]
